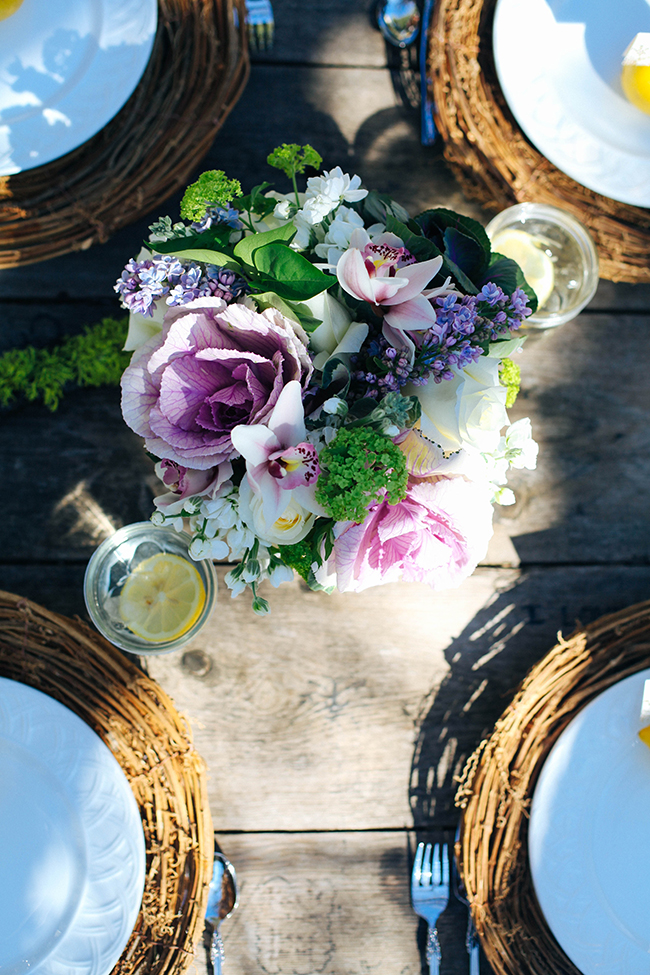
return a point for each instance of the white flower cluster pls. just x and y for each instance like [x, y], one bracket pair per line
[516, 449]
[324, 194]
[218, 532]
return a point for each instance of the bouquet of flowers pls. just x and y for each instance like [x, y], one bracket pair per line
[323, 381]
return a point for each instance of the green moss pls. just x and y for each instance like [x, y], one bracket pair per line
[358, 467]
[510, 377]
[94, 358]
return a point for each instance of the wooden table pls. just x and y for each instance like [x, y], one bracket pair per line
[334, 729]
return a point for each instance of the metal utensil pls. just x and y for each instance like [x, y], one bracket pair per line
[261, 24]
[399, 21]
[222, 901]
[430, 893]
[428, 130]
[471, 938]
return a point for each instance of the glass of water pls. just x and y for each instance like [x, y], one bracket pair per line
[566, 249]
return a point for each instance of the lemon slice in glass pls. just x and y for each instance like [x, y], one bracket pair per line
[162, 598]
[635, 75]
[527, 251]
[644, 735]
[9, 7]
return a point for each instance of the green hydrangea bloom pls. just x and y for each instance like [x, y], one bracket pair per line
[359, 466]
[212, 188]
[510, 377]
[299, 557]
[292, 158]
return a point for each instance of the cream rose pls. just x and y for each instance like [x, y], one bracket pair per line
[293, 525]
[468, 411]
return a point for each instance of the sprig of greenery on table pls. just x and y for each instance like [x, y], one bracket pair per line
[93, 358]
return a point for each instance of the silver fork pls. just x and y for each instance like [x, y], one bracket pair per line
[430, 893]
[261, 24]
[471, 938]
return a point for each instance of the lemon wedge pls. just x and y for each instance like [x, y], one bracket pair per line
[527, 251]
[644, 735]
[635, 75]
[162, 598]
[635, 79]
[9, 7]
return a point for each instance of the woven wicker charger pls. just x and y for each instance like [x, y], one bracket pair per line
[500, 777]
[197, 71]
[152, 743]
[491, 157]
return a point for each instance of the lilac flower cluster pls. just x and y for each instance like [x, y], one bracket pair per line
[165, 276]
[499, 313]
[463, 325]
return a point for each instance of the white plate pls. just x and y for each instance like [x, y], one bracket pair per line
[72, 864]
[589, 835]
[66, 68]
[559, 64]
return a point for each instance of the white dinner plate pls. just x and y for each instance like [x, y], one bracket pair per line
[559, 65]
[589, 835]
[66, 68]
[72, 860]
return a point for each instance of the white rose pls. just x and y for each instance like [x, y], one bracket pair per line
[293, 525]
[468, 411]
[338, 333]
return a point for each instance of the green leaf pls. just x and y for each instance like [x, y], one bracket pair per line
[295, 277]
[466, 253]
[208, 257]
[255, 201]
[219, 236]
[420, 247]
[435, 222]
[294, 310]
[269, 299]
[246, 247]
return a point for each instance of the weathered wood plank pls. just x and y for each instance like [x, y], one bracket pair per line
[332, 32]
[357, 711]
[586, 390]
[348, 115]
[621, 297]
[76, 475]
[336, 903]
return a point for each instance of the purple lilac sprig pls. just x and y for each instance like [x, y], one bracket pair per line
[499, 314]
[464, 324]
[165, 276]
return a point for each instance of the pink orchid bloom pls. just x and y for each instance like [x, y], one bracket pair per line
[280, 465]
[384, 273]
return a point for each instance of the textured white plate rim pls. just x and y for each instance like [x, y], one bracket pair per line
[115, 37]
[588, 842]
[115, 849]
[552, 74]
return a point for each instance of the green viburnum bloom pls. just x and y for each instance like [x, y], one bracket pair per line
[293, 159]
[212, 188]
[359, 466]
[510, 377]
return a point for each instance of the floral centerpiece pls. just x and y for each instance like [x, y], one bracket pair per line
[323, 381]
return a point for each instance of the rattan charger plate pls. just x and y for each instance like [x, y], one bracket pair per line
[152, 743]
[491, 157]
[500, 777]
[197, 71]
